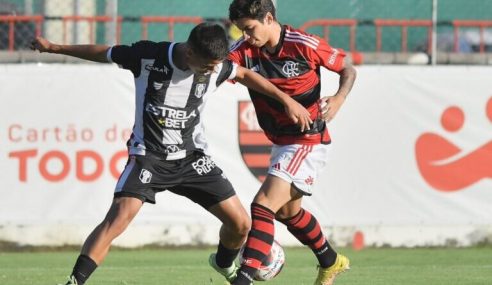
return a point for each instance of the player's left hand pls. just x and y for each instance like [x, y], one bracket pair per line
[330, 106]
[41, 44]
[299, 115]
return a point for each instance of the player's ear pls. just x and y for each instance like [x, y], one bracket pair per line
[268, 18]
[189, 51]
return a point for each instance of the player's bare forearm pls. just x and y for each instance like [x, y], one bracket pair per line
[95, 53]
[331, 104]
[294, 110]
[346, 81]
[258, 83]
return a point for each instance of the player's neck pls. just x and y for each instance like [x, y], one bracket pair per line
[275, 33]
[179, 56]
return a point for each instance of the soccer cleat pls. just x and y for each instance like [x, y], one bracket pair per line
[229, 273]
[71, 281]
[326, 276]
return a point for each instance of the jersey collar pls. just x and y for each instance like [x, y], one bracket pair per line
[279, 44]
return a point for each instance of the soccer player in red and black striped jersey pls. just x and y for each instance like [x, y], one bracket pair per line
[167, 149]
[291, 59]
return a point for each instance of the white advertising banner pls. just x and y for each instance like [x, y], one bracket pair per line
[411, 160]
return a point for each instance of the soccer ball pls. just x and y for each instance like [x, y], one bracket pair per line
[272, 265]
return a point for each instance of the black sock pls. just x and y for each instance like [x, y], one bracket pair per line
[225, 256]
[326, 255]
[307, 230]
[244, 276]
[83, 268]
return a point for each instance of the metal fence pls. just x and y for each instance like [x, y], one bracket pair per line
[379, 29]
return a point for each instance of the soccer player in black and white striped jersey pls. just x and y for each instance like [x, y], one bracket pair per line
[172, 84]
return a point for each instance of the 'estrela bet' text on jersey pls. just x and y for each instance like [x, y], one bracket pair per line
[168, 100]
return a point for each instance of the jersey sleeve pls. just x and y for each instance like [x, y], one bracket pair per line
[236, 53]
[130, 57]
[228, 71]
[331, 58]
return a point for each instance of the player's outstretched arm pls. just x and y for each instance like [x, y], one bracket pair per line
[297, 113]
[89, 52]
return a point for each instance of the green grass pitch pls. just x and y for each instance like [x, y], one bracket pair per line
[468, 266]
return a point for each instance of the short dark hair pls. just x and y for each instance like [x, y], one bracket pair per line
[209, 41]
[252, 9]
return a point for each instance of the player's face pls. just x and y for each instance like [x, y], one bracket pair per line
[254, 31]
[201, 65]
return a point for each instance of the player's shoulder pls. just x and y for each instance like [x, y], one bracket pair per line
[240, 44]
[301, 38]
[146, 45]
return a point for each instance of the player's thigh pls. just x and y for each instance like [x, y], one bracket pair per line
[145, 175]
[299, 164]
[275, 192]
[231, 213]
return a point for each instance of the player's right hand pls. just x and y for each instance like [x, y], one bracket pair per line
[41, 44]
[299, 115]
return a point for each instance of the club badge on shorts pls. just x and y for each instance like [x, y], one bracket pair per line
[145, 176]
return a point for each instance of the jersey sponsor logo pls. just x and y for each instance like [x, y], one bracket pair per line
[202, 79]
[150, 67]
[203, 165]
[333, 57]
[145, 176]
[291, 69]
[169, 117]
[172, 149]
[158, 85]
[200, 89]
[253, 144]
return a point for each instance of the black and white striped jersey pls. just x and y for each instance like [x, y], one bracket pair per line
[169, 101]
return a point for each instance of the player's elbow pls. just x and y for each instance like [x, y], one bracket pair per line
[349, 71]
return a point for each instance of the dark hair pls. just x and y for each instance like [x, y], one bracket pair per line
[209, 41]
[252, 9]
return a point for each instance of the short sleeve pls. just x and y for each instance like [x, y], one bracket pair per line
[329, 57]
[236, 52]
[130, 57]
[228, 71]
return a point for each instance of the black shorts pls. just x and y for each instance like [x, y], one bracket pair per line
[195, 177]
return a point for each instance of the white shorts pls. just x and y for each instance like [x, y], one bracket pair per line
[299, 164]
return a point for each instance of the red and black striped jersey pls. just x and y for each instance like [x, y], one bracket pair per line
[294, 67]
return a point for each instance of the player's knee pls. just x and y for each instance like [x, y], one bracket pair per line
[283, 215]
[242, 225]
[114, 227]
[245, 226]
[117, 222]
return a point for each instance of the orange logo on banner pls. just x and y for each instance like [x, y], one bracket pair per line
[435, 154]
[253, 144]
